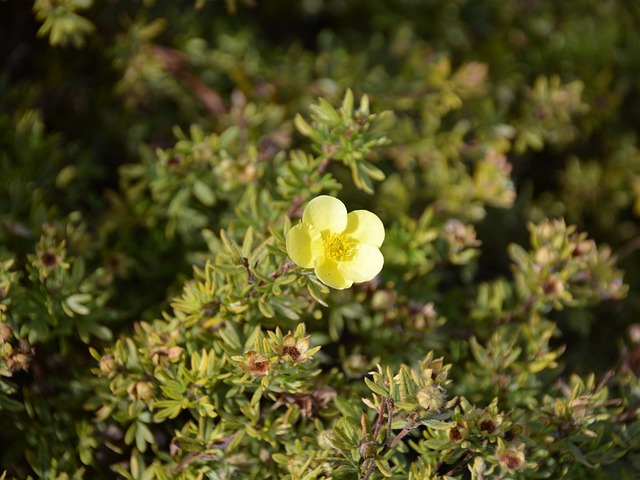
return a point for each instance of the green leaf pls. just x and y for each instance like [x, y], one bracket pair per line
[383, 466]
[518, 255]
[266, 309]
[361, 178]
[302, 126]
[229, 244]
[577, 453]
[346, 432]
[280, 458]
[203, 193]
[247, 243]
[381, 390]
[169, 409]
[325, 113]
[143, 436]
[173, 389]
[228, 137]
[347, 104]
[76, 303]
[97, 330]
[285, 310]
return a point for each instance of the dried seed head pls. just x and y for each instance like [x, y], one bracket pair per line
[257, 364]
[512, 433]
[455, 435]
[293, 349]
[48, 259]
[488, 426]
[552, 286]
[511, 458]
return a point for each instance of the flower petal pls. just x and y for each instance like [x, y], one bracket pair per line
[365, 227]
[328, 272]
[304, 245]
[365, 264]
[326, 213]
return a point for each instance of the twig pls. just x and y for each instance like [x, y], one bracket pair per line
[286, 266]
[628, 248]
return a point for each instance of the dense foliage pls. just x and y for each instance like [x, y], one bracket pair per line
[154, 156]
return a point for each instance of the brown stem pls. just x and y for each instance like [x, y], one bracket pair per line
[296, 203]
[323, 165]
[174, 62]
[370, 464]
[286, 266]
[403, 433]
[629, 247]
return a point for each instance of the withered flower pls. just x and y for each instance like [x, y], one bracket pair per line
[293, 349]
[455, 434]
[18, 361]
[511, 458]
[257, 364]
[488, 426]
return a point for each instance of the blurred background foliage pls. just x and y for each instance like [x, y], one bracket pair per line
[153, 155]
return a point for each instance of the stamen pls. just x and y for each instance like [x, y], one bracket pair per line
[337, 246]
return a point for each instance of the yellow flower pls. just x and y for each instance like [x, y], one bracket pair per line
[342, 248]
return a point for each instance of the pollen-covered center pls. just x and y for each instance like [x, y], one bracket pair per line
[337, 246]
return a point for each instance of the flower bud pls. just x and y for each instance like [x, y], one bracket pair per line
[140, 390]
[431, 397]
[107, 364]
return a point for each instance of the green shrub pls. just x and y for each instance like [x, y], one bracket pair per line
[155, 157]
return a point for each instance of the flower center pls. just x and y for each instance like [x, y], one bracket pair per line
[337, 247]
[293, 352]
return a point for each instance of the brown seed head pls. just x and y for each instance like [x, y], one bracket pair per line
[512, 459]
[48, 259]
[455, 435]
[488, 426]
[257, 364]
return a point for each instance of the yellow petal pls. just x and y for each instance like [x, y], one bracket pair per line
[365, 264]
[328, 272]
[326, 213]
[365, 227]
[304, 245]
